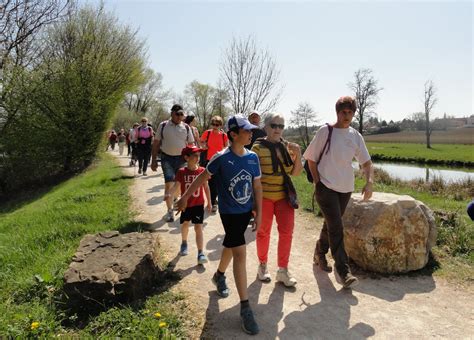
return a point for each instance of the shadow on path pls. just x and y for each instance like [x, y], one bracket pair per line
[327, 319]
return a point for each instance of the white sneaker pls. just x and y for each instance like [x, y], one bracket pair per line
[284, 276]
[262, 273]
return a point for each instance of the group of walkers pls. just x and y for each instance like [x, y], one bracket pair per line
[245, 174]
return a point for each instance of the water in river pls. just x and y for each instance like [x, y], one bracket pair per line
[408, 172]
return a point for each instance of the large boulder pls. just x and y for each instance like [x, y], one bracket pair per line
[389, 233]
[111, 267]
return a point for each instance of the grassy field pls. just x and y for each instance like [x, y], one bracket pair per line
[37, 240]
[453, 136]
[439, 153]
[455, 244]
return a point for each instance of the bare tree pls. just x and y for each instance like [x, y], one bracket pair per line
[366, 91]
[303, 118]
[430, 101]
[21, 22]
[148, 94]
[250, 76]
[201, 99]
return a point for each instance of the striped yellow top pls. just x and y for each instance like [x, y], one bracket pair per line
[272, 184]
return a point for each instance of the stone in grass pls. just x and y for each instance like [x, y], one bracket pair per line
[111, 267]
[389, 233]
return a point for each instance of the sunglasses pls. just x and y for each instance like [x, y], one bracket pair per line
[274, 126]
[216, 124]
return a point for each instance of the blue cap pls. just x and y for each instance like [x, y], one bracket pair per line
[239, 122]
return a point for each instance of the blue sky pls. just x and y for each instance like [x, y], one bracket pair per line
[318, 46]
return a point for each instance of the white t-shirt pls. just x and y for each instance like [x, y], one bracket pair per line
[175, 137]
[335, 169]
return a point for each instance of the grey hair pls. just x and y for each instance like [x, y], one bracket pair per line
[270, 116]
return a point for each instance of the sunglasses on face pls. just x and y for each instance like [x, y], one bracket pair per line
[215, 124]
[274, 126]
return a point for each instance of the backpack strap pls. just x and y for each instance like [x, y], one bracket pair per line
[163, 127]
[327, 144]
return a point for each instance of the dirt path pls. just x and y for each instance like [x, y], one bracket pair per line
[398, 307]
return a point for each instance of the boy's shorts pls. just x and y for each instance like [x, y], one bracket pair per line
[194, 214]
[170, 166]
[235, 226]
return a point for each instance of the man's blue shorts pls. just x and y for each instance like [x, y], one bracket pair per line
[170, 166]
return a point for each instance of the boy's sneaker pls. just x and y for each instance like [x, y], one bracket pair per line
[214, 208]
[139, 171]
[183, 250]
[144, 174]
[262, 273]
[169, 216]
[348, 281]
[322, 262]
[221, 285]
[249, 325]
[284, 276]
[202, 258]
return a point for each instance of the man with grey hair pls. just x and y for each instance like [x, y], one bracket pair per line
[254, 118]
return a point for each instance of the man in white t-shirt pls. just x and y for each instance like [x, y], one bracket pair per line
[329, 157]
[171, 137]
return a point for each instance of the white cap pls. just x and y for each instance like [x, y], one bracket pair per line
[253, 112]
[239, 122]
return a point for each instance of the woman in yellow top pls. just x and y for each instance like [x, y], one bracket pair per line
[272, 150]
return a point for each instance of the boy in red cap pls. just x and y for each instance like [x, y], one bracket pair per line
[195, 205]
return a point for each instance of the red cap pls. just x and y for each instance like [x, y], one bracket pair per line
[190, 149]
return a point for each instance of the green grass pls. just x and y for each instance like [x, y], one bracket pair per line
[37, 240]
[438, 154]
[455, 244]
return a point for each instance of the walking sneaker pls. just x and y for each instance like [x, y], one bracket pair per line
[221, 285]
[249, 325]
[284, 276]
[169, 216]
[144, 174]
[139, 171]
[348, 281]
[262, 273]
[202, 258]
[322, 262]
[183, 250]
[214, 208]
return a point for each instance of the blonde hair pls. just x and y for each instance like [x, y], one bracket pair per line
[217, 119]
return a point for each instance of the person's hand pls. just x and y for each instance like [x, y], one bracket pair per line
[154, 165]
[209, 208]
[367, 191]
[257, 221]
[181, 204]
[295, 148]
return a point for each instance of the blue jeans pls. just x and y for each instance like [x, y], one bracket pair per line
[170, 165]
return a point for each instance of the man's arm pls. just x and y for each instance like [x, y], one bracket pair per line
[368, 170]
[154, 152]
[200, 180]
[313, 168]
[257, 195]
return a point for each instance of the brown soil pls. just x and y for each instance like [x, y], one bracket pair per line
[402, 307]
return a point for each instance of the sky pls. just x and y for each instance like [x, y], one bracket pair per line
[318, 45]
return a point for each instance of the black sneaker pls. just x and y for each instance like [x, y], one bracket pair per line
[322, 262]
[221, 285]
[249, 325]
[347, 281]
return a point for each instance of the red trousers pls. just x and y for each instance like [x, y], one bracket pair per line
[285, 218]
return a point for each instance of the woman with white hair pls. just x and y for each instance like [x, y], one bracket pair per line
[276, 155]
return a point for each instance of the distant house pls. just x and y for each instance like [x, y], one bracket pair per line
[469, 121]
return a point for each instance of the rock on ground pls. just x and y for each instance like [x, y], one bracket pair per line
[389, 233]
[112, 267]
